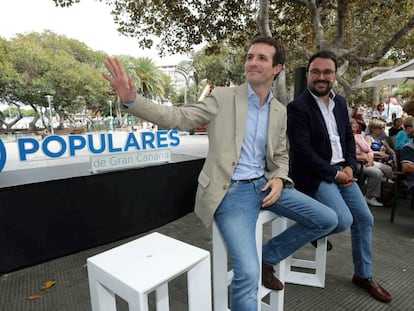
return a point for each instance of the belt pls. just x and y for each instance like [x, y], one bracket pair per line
[339, 164]
[246, 180]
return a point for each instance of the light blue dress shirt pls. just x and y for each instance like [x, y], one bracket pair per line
[252, 161]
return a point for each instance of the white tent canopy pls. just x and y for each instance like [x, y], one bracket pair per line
[402, 74]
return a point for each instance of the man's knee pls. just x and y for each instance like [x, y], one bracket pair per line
[344, 223]
[331, 221]
[247, 276]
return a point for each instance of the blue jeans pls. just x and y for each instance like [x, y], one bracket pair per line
[236, 218]
[352, 210]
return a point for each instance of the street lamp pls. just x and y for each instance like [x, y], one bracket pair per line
[49, 99]
[111, 124]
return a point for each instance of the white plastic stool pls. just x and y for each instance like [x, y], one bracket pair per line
[283, 271]
[222, 276]
[312, 271]
[137, 268]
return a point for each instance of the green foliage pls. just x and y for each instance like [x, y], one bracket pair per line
[49, 64]
[13, 111]
[363, 33]
[36, 65]
[220, 65]
[178, 98]
[167, 86]
[147, 76]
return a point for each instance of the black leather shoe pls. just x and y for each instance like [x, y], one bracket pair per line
[376, 290]
[268, 278]
[328, 245]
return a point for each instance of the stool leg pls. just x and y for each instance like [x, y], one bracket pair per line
[199, 289]
[162, 298]
[102, 298]
[320, 259]
[277, 298]
[140, 304]
[220, 280]
[259, 248]
[317, 278]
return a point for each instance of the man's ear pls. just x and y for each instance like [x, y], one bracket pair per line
[278, 68]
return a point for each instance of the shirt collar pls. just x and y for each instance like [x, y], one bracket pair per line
[251, 92]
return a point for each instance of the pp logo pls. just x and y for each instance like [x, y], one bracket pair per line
[3, 155]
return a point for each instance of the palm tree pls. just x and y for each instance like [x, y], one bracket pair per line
[147, 76]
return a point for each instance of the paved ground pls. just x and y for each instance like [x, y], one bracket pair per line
[393, 250]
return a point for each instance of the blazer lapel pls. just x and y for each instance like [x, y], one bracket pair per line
[241, 105]
[317, 112]
[272, 127]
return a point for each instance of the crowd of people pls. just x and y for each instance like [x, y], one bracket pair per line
[379, 143]
[297, 162]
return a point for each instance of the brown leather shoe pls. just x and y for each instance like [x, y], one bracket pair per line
[373, 288]
[268, 278]
[328, 244]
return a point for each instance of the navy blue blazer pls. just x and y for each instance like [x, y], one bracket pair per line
[310, 147]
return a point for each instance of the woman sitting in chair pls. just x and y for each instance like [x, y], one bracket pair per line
[371, 169]
[376, 139]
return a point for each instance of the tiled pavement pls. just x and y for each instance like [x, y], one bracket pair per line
[393, 260]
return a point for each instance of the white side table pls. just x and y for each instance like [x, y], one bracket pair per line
[137, 268]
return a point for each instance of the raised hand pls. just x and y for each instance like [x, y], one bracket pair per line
[123, 84]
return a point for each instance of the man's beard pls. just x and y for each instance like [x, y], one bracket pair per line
[320, 93]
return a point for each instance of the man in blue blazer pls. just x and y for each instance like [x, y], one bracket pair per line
[322, 160]
[246, 168]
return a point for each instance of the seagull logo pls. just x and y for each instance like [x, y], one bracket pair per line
[2, 155]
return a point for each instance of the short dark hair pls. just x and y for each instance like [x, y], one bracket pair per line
[323, 54]
[279, 56]
[394, 122]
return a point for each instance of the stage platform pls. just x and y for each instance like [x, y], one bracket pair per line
[56, 207]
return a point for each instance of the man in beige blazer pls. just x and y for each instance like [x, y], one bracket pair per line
[246, 168]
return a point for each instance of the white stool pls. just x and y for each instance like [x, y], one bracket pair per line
[135, 269]
[312, 271]
[283, 271]
[222, 276]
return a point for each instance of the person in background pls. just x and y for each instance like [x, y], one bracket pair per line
[246, 168]
[357, 116]
[371, 169]
[396, 127]
[322, 160]
[376, 139]
[408, 108]
[406, 135]
[369, 111]
[379, 113]
[407, 163]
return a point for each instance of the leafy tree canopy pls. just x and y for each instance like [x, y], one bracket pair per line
[366, 35]
[36, 65]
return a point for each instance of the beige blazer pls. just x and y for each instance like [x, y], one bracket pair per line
[225, 113]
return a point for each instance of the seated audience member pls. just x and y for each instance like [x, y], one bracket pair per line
[379, 113]
[406, 135]
[357, 116]
[408, 107]
[376, 139]
[396, 127]
[372, 170]
[407, 162]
